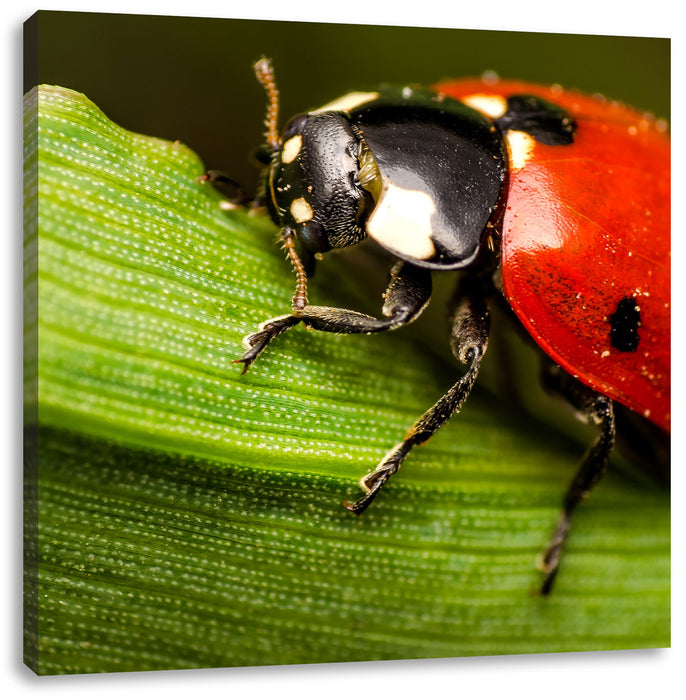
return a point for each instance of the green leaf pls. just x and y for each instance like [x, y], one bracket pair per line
[180, 514]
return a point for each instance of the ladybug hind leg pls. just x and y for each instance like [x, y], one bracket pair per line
[599, 409]
[469, 340]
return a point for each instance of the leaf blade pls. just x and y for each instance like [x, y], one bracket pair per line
[182, 501]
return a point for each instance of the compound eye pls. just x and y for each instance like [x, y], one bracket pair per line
[312, 236]
[294, 126]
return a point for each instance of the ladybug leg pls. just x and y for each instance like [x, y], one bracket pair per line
[406, 296]
[600, 409]
[255, 343]
[469, 339]
[228, 187]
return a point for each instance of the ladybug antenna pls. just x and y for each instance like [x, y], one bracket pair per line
[299, 301]
[265, 74]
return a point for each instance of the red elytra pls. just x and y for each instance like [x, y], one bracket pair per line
[586, 225]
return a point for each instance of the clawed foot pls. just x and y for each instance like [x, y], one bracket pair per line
[255, 343]
[372, 484]
[549, 561]
[549, 564]
[374, 481]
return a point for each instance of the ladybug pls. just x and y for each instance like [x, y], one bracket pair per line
[551, 203]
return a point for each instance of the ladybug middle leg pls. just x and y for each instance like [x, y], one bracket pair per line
[468, 341]
[599, 409]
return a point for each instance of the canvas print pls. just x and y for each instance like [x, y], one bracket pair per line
[342, 343]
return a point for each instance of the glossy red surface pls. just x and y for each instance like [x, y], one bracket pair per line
[585, 226]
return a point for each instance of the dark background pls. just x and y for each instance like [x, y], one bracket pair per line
[191, 79]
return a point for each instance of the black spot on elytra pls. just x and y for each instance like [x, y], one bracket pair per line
[624, 324]
[543, 120]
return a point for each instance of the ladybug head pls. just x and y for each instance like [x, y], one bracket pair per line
[319, 177]
[313, 183]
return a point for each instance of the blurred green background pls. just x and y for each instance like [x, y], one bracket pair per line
[191, 79]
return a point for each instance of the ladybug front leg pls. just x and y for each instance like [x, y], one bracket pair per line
[406, 296]
[469, 339]
[600, 410]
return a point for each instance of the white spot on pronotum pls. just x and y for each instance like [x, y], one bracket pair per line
[301, 210]
[291, 148]
[493, 106]
[401, 222]
[347, 102]
[521, 147]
